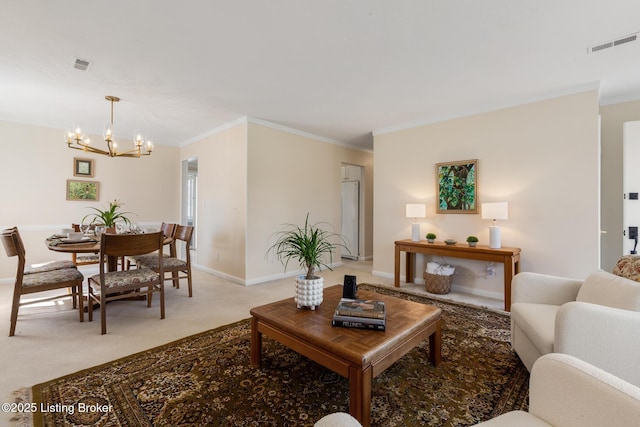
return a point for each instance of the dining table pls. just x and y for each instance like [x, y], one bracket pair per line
[88, 244]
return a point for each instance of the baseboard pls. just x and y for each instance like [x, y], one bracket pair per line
[219, 274]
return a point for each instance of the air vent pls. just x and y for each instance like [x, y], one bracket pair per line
[623, 40]
[81, 64]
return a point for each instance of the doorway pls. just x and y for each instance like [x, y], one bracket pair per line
[351, 209]
[631, 187]
[190, 194]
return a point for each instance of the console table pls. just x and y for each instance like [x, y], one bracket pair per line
[509, 257]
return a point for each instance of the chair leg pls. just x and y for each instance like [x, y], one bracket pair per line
[72, 290]
[103, 315]
[90, 302]
[162, 299]
[189, 283]
[149, 294]
[80, 301]
[176, 280]
[14, 312]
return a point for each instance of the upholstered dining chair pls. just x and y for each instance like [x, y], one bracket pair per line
[168, 230]
[84, 259]
[114, 285]
[179, 268]
[40, 278]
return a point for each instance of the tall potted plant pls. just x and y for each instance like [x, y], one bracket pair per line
[309, 245]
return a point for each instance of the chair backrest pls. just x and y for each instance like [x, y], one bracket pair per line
[77, 229]
[168, 229]
[184, 233]
[118, 245]
[12, 242]
[13, 246]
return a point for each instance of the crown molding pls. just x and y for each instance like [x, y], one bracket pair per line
[489, 108]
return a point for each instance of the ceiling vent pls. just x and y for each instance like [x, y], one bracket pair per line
[623, 40]
[81, 64]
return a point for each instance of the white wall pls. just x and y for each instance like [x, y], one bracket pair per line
[290, 174]
[222, 196]
[539, 157]
[252, 178]
[36, 165]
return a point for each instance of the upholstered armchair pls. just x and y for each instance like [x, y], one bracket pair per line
[596, 320]
[565, 391]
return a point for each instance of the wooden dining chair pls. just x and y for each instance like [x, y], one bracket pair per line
[40, 278]
[168, 230]
[84, 259]
[115, 285]
[173, 264]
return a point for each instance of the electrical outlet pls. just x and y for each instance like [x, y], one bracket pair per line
[633, 233]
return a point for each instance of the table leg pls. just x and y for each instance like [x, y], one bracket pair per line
[509, 270]
[435, 345]
[256, 343]
[411, 270]
[360, 394]
[396, 279]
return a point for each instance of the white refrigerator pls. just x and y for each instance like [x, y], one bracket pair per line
[351, 218]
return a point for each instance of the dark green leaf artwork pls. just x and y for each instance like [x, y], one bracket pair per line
[457, 187]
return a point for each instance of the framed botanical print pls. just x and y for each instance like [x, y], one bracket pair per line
[82, 190]
[457, 187]
[83, 167]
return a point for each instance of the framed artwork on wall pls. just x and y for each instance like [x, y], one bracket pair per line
[457, 187]
[83, 167]
[82, 190]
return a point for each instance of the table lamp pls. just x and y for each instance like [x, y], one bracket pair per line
[494, 211]
[415, 211]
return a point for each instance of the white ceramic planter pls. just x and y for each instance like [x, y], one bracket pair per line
[309, 293]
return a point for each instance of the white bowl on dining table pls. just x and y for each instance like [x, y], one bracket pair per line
[75, 236]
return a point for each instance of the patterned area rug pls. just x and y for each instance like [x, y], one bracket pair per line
[207, 379]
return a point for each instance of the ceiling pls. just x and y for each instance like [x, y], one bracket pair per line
[340, 69]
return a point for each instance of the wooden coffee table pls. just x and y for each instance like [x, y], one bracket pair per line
[357, 354]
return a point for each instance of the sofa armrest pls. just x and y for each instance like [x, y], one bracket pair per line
[543, 289]
[337, 419]
[606, 337]
[566, 391]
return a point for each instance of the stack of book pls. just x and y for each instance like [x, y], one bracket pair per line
[359, 313]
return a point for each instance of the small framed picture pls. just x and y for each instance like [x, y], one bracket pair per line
[82, 190]
[83, 167]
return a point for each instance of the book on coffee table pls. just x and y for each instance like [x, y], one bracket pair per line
[361, 314]
[358, 324]
[373, 309]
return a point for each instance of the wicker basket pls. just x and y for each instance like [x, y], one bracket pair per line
[438, 283]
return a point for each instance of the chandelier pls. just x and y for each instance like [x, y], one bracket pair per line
[78, 141]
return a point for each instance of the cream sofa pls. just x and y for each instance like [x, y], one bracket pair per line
[565, 391]
[596, 320]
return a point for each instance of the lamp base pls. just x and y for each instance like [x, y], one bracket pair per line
[415, 232]
[494, 237]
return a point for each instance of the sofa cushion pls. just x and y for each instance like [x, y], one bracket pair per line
[610, 290]
[538, 322]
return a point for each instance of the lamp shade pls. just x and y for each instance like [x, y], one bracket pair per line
[498, 210]
[416, 210]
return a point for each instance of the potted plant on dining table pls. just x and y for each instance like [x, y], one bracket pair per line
[108, 217]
